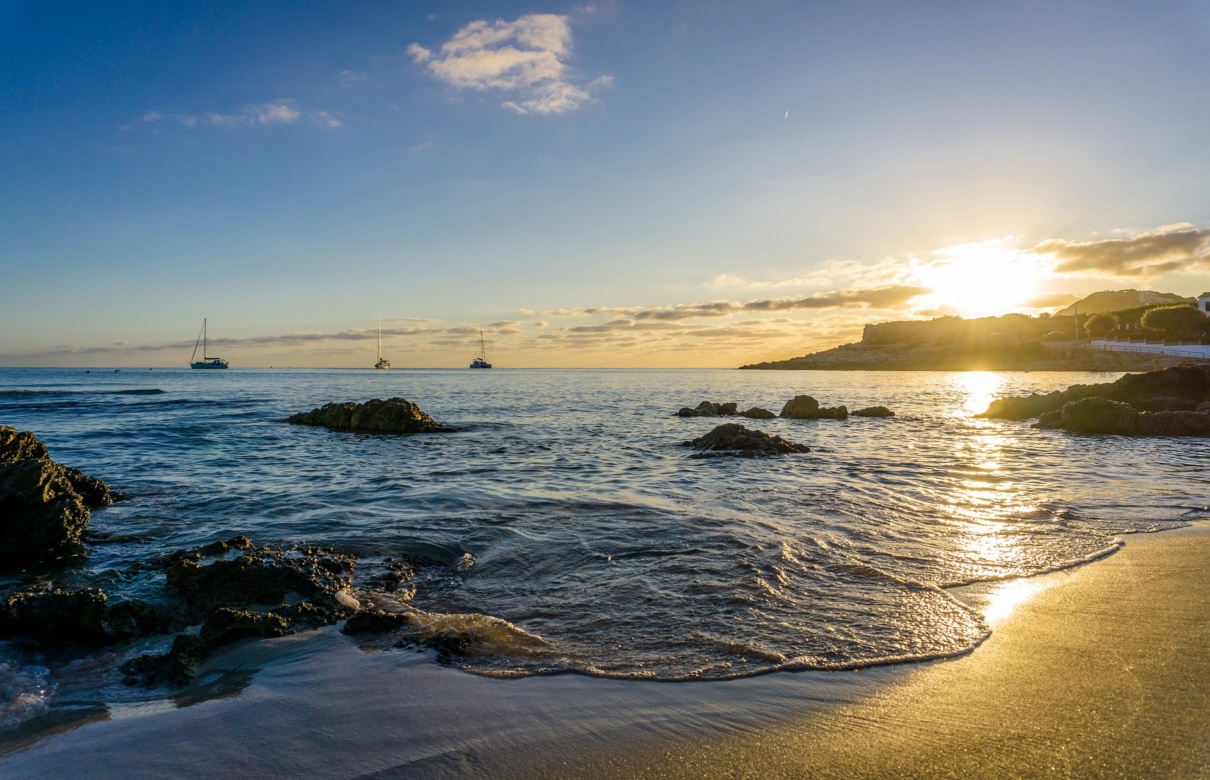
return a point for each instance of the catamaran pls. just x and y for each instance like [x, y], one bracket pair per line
[382, 363]
[206, 361]
[481, 361]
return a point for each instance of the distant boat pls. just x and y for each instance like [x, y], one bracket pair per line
[205, 362]
[382, 363]
[481, 361]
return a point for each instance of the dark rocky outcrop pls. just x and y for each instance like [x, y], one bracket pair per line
[709, 409]
[266, 592]
[804, 407]
[394, 415]
[733, 438]
[44, 507]
[375, 621]
[1102, 416]
[1180, 388]
[81, 617]
[873, 411]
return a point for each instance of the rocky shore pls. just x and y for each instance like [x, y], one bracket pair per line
[1168, 402]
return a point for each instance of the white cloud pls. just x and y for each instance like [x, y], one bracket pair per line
[525, 60]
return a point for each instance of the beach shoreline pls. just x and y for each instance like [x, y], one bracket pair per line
[1096, 671]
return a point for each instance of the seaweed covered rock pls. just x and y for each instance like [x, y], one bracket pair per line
[266, 592]
[733, 438]
[709, 409]
[804, 407]
[873, 411]
[80, 617]
[1180, 388]
[394, 415]
[1103, 416]
[44, 507]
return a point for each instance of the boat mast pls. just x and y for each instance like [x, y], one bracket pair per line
[380, 337]
[193, 357]
[204, 355]
[482, 351]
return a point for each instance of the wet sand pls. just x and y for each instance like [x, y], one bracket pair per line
[1101, 671]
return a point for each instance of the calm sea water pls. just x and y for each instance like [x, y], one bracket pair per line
[578, 536]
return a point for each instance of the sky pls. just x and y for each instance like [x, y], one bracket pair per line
[609, 184]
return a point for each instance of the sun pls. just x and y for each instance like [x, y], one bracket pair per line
[983, 279]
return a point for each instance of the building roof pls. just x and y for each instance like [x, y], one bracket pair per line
[1204, 295]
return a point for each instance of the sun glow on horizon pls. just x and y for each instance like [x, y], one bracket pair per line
[982, 279]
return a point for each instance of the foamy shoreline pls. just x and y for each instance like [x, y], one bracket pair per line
[1099, 668]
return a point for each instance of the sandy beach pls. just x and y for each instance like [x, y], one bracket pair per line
[1101, 671]
[1098, 671]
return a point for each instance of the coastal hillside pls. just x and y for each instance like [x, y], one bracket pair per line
[1107, 301]
[1012, 342]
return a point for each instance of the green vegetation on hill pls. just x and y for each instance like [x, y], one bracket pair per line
[1118, 300]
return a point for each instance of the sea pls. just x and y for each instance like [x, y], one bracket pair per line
[570, 531]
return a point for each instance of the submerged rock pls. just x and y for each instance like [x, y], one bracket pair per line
[1102, 416]
[757, 413]
[1180, 388]
[44, 507]
[394, 415]
[804, 407]
[733, 438]
[873, 411]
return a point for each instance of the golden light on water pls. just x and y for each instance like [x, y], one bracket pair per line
[980, 389]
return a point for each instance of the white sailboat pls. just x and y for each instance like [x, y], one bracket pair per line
[206, 361]
[382, 363]
[481, 361]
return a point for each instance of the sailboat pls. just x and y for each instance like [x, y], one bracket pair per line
[481, 361]
[206, 361]
[382, 363]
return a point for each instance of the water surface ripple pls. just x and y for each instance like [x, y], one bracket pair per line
[598, 544]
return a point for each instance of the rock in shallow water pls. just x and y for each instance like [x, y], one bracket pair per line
[43, 505]
[1102, 416]
[804, 407]
[1180, 388]
[874, 411]
[735, 439]
[394, 415]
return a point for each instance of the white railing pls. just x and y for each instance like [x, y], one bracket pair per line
[1189, 350]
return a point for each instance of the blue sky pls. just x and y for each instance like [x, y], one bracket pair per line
[622, 183]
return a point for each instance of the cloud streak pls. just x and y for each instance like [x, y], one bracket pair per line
[889, 297]
[1140, 255]
[280, 112]
[524, 60]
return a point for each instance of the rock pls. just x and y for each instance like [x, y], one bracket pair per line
[874, 411]
[80, 617]
[1180, 388]
[757, 413]
[301, 588]
[43, 505]
[375, 621]
[1102, 416]
[800, 407]
[56, 616]
[710, 409]
[832, 413]
[734, 438]
[394, 415]
[265, 576]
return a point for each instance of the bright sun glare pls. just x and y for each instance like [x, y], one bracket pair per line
[978, 280]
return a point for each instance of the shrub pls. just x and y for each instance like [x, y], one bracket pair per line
[1100, 325]
[1179, 323]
